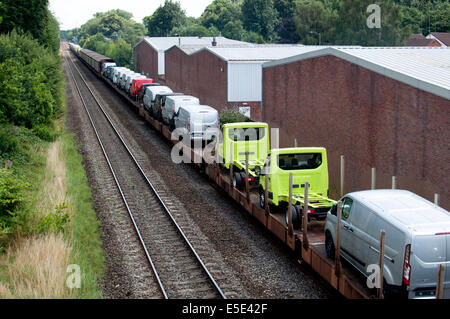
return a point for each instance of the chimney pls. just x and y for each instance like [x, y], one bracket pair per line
[214, 43]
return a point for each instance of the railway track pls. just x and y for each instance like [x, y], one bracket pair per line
[178, 269]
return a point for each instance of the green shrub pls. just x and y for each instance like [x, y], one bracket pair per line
[8, 142]
[11, 197]
[31, 81]
[45, 132]
[232, 115]
[54, 222]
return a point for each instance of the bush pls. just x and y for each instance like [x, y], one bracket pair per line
[31, 81]
[11, 197]
[8, 143]
[45, 132]
[54, 222]
[232, 115]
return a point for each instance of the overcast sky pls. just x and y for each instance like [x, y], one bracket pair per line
[72, 14]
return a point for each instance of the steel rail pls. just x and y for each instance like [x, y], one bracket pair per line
[161, 201]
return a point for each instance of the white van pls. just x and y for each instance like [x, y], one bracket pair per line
[150, 95]
[417, 239]
[105, 65]
[197, 121]
[116, 74]
[172, 104]
[123, 78]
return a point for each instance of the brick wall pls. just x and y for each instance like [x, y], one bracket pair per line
[203, 75]
[146, 60]
[372, 120]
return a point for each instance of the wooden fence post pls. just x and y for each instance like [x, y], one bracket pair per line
[394, 182]
[231, 167]
[342, 174]
[305, 217]
[381, 264]
[337, 260]
[266, 193]
[436, 199]
[290, 226]
[247, 190]
[440, 282]
[374, 177]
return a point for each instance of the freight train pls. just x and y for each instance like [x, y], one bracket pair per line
[287, 191]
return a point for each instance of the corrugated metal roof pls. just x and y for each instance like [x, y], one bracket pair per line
[262, 52]
[425, 68]
[164, 43]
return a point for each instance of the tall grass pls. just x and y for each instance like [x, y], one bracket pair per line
[60, 229]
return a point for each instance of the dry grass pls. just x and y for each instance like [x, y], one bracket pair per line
[37, 265]
[37, 268]
[53, 191]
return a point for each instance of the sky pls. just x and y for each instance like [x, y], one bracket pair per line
[72, 14]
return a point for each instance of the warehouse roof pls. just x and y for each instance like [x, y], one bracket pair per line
[425, 68]
[249, 52]
[164, 43]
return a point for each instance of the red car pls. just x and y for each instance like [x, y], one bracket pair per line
[136, 85]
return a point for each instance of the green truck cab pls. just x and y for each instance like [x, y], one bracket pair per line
[241, 138]
[307, 164]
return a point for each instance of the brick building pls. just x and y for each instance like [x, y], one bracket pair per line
[149, 53]
[386, 108]
[225, 76]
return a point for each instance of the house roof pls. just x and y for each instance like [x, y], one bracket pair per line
[425, 68]
[444, 37]
[418, 40]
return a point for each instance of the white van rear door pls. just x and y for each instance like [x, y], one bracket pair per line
[428, 252]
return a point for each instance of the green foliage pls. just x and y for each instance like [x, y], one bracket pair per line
[31, 84]
[351, 27]
[10, 192]
[232, 115]
[220, 13]
[120, 52]
[261, 17]
[11, 198]
[32, 17]
[8, 142]
[54, 222]
[111, 33]
[234, 30]
[311, 18]
[193, 30]
[165, 19]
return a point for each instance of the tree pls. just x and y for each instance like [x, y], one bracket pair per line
[30, 80]
[233, 30]
[121, 52]
[30, 16]
[219, 13]
[110, 23]
[352, 28]
[287, 31]
[312, 18]
[260, 16]
[165, 19]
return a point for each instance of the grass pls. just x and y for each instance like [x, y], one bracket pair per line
[58, 227]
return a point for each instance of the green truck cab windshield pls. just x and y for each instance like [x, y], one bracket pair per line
[241, 138]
